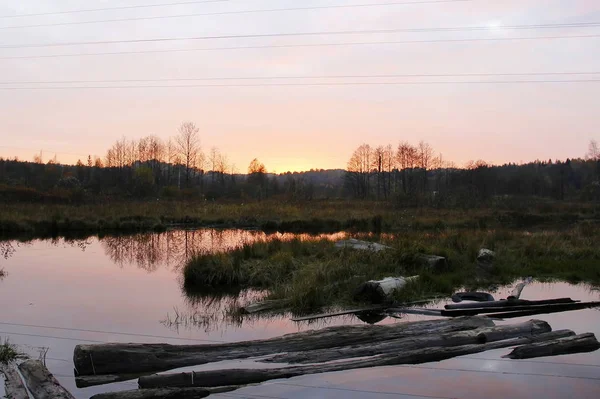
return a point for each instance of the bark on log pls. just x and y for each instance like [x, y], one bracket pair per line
[505, 303]
[472, 296]
[13, 383]
[252, 376]
[95, 380]
[559, 307]
[516, 292]
[478, 336]
[577, 344]
[144, 358]
[41, 382]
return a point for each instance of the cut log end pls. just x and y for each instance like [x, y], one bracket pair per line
[563, 346]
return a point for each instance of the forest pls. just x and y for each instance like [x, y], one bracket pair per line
[408, 175]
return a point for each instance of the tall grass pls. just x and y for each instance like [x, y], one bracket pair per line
[309, 216]
[315, 274]
[9, 352]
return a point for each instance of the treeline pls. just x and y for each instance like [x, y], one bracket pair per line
[178, 168]
[416, 174]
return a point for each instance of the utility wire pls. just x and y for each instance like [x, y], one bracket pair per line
[301, 84]
[114, 8]
[300, 34]
[216, 13]
[299, 78]
[504, 39]
[110, 332]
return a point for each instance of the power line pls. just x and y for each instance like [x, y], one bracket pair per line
[359, 390]
[110, 332]
[501, 372]
[114, 8]
[302, 78]
[301, 84]
[216, 13]
[297, 34]
[504, 39]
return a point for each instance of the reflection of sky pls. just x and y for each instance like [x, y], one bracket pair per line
[298, 127]
[64, 286]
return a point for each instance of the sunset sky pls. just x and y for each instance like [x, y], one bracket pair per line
[299, 126]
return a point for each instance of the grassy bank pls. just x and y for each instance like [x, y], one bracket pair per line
[311, 216]
[8, 352]
[312, 275]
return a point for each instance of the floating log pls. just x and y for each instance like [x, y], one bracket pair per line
[516, 292]
[143, 358]
[13, 383]
[417, 311]
[563, 346]
[472, 296]
[559, 307]
[264, 306]
[478, 336]
[86, 381]
[41, 382]
[166, 393]
[378, 291]
[505, 303]
[340, 313]
[251, 376]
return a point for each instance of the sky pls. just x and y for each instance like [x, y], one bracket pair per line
[296, 126]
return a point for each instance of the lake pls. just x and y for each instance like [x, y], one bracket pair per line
[59, 293]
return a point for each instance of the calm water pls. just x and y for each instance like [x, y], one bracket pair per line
[128, 289]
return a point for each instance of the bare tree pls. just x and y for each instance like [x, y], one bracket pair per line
[359, 171]
[593, 151]
[406, 157]
[188, 146]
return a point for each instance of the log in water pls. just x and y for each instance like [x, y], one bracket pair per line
[534, 309]
[143, 358]
[478, 336]
[253, 376]
[577, 344]
[507, 303]
[13, 384]
[41, 382]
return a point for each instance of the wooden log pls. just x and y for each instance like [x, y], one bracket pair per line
[340, 313]
[86, 381]
[472, 296]
[516, 292]
[478, 336]
[41, 383]
[563, 346]
[253, 376]
[559, 307]
[13, 383]
[505, 303]
[264, 306]
[417, 311]
[143, 358]
[378, 291]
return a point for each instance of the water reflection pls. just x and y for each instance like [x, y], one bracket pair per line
[173, 248]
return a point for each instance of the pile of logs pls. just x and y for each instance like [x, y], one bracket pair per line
[327, 350]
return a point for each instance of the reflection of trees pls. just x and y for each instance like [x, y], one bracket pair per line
[7, 249]
[173, 248]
